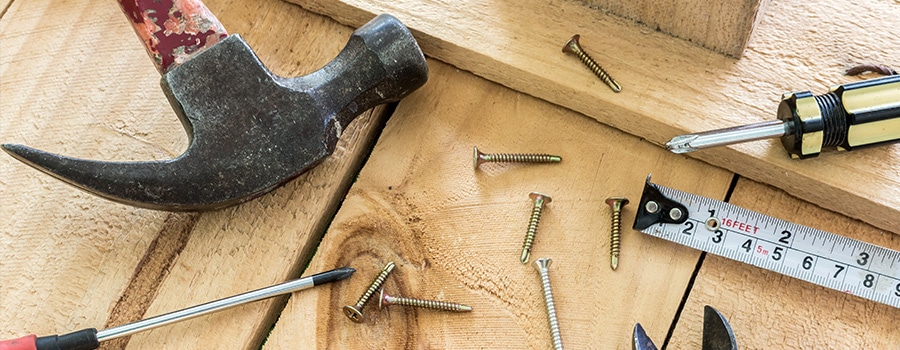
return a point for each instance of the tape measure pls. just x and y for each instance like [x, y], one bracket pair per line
[829, 260]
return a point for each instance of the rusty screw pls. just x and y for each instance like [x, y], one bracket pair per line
[539, 201]
[480, 157]
[616, 203]
[385, 300]
[354, 313]
[574, 47]
[543, 267]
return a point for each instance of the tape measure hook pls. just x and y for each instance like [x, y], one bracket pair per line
[656, 208]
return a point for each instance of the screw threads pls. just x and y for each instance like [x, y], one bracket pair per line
[539, 201]
[574, 46]
[480, 157]
[616, 203]
[376, 284]
[614, 240]
[385, 299]
[520, 158]
[354, 313]
[542, 266]
[429, 304]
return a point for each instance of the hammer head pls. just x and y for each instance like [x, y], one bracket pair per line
[250, 130]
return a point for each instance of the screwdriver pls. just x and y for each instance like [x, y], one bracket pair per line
[87, 339]
[865, 113]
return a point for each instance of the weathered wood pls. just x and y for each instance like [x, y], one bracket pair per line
[71, 260]
[671, 87]
[456, 233]
[771, 311]
[721, 26]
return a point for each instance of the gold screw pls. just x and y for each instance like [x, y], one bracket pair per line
[385, 300]
[354, 313]
[616, 203]
[539, 201]
[480, 157]
[574, 47]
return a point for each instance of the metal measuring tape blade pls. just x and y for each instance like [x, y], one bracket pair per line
[833, 261]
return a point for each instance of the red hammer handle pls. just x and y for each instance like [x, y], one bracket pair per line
[173, 30]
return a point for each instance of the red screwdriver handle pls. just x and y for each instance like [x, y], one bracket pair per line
[173, 30]
[23, 343]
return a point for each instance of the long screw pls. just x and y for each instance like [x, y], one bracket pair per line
[574, 47]
[385, 300]
[480, 157]
[539, 201]
[354, 313]
[543, 266]
[616, 203]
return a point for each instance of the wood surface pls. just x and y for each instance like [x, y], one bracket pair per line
[671, 87]
[456, 233]
[71, 260]
[721, 26]
[771, 311]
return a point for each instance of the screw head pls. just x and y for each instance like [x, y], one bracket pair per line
[477, 158]
[617, 202]
[536, 196]
[381, 302]
[542, 263]
[572, 44]
[354, 314]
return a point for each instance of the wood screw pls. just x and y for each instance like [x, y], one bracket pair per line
[574, 47]
[385, 300]
[354, 313]
[480, 157]
[539, 201]
[616, 203]
[543, 267]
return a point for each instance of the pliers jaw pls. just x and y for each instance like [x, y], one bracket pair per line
[717, 333]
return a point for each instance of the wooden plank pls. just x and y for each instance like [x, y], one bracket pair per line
[67, 256]
[72, 260]
[771, 311]
[722, 26]
[671, 87]
[456, 233]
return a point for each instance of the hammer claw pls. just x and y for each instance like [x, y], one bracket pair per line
[250, 131]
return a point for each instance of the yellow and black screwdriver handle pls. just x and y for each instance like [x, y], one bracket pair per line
[865, 113]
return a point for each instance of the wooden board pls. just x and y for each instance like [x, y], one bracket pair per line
[671, 87]
[771, 311]
[722, 26]
[456, 233]
[71, 260]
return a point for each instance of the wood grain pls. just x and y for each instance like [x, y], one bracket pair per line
[671, 87]
[722, 26]
[456, 233]
[771, 311]
[71, 260]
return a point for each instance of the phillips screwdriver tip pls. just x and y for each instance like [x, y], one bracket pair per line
[681, 144]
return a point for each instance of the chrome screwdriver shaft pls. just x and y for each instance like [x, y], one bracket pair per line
[222, 304]
[728, 136]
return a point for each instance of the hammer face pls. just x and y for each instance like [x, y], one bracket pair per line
[250, 131]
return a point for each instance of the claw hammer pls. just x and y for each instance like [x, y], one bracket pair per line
[249, 130]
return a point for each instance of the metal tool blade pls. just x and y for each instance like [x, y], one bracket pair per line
[640, 339]
[717, 333]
